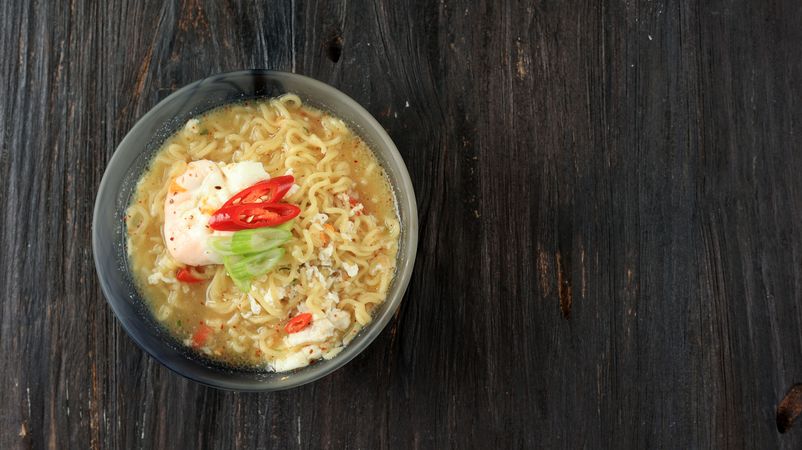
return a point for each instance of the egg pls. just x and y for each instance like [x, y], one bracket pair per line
[193, 196]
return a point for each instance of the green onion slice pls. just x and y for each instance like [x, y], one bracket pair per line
[246, 242]
[243, 269]
[286, 226]
[221, 245]
[258, 240]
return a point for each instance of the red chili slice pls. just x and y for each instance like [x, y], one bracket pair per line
[201, 334]
[252, 215]
[298, 323]
[268, 191]
[185, 275]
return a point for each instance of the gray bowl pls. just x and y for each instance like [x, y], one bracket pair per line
[131, 159]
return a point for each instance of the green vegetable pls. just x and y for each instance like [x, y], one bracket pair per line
[248, 254]
[243, 269]
[257, 240]
[286, 226]
[245, 242]
[221, 245]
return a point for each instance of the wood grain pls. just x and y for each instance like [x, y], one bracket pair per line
[610, 206]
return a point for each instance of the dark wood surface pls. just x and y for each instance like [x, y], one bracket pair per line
[610, 195]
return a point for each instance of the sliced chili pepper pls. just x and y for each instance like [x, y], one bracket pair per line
[252, 215]
[298, 323]
[354, 202]
[201, 334]
[268, 191]
[185, 275]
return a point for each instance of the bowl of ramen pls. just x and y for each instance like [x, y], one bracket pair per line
[255, 230]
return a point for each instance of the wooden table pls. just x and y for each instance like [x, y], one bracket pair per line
[610, 196]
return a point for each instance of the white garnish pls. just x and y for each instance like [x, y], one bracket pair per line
[339, 318]
[350, 269]
[332, 297]
[356, 210]
[192, 126]
[325, 255]
[347, 230]
[256, 308]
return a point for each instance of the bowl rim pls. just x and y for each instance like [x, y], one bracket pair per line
[404, 268]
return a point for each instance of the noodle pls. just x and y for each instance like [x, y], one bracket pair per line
[330, 264]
